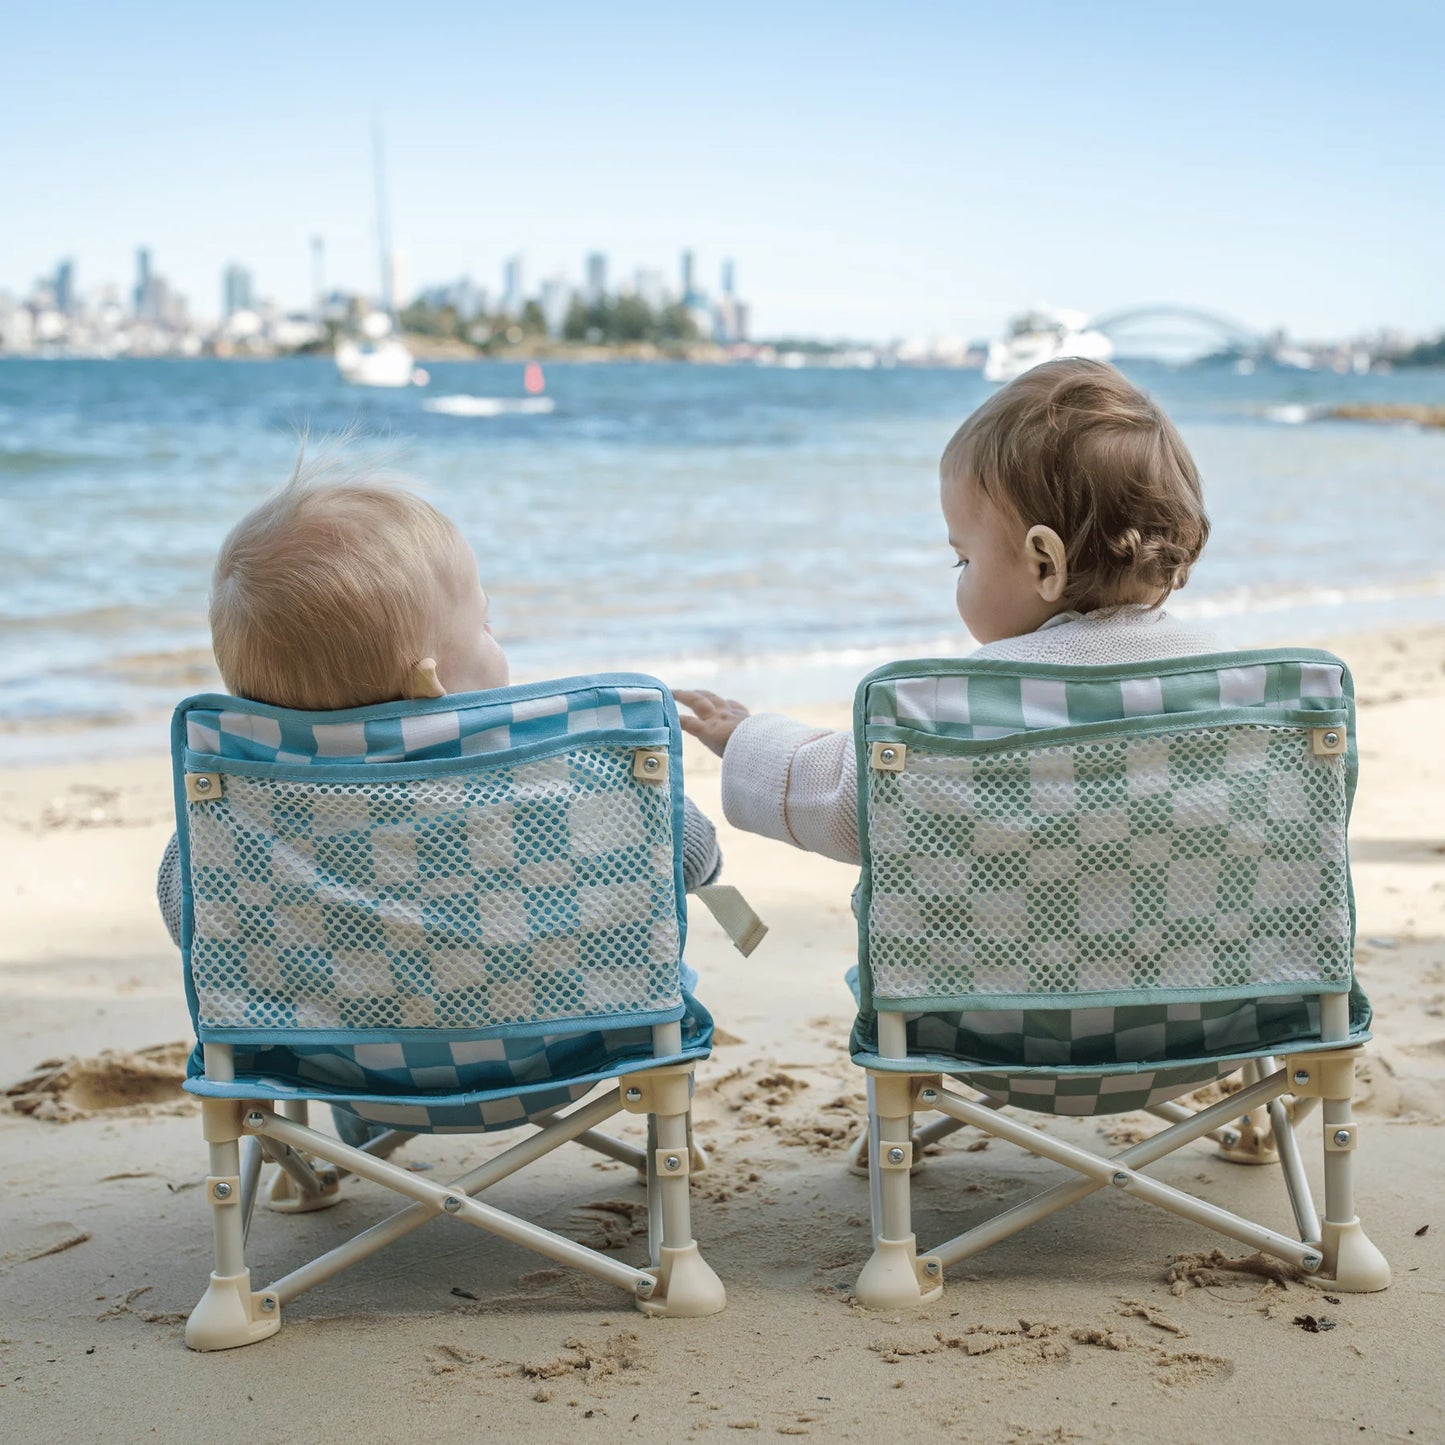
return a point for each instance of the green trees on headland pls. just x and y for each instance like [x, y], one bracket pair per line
[618, 320]
[626, 320]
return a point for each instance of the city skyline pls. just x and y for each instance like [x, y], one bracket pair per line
[928, 174]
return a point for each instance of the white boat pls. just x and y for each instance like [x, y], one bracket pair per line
[380, 361]
[1041, 335]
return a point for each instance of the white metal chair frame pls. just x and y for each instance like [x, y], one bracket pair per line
[1332, 1250]
[677, 1281]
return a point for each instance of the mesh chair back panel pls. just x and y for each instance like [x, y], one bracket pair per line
[1122, 856]
[533, 888]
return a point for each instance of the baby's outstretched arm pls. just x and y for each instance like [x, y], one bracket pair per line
[716, 719]
[781, 778]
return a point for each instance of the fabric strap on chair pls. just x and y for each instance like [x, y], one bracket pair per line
[735, 915]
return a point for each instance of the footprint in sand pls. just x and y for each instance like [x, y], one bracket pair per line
[142, 1081]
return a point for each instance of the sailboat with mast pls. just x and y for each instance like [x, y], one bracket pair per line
[379, 356]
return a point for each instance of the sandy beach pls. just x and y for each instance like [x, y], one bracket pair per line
[1080, 1329]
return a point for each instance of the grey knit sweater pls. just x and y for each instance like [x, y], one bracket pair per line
[701, 865]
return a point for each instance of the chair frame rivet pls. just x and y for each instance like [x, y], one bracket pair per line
[633, 1095]
[268, 1303]
[222, 1190]
[1342, 1137]
[452, 1204]
[895, 1156]
[672, 1162]
[1120, 1179]
[255, 1119]
[1301, 1076]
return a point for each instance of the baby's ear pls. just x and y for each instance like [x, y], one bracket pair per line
[1049, 562]
[423, 680]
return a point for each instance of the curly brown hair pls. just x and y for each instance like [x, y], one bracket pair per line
[1074, 446]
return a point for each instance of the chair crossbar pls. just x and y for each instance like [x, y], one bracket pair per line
[452, 1199]
[307, 1180]
[1121, 1171]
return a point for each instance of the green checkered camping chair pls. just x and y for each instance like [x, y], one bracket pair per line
[454, 915]
[1092, 890]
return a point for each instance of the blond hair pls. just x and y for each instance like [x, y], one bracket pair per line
[328, 593]
[1074, 446]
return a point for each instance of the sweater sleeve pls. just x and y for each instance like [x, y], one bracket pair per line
[795, 783]
[701, 856]
[168, 889]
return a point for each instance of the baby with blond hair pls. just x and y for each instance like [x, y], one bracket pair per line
[337, 592]
[1073, 510]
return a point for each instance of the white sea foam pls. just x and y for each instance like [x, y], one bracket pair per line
[463, 405]
[1292, 413]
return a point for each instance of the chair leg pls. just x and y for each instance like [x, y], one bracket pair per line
[687, 1287]
[297, 1187]
[894, 1277]
[229, 1313]
[1352, 1263]
[1250, 1139]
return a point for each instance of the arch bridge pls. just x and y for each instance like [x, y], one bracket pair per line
[1174, 326]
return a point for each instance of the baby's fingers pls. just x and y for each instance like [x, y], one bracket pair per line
[698, 700]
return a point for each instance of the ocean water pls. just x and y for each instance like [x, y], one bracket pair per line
[710, 523]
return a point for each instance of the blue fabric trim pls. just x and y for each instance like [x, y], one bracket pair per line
[322, 770]
[582, 1024]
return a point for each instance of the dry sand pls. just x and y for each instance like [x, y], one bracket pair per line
[1078, 1330]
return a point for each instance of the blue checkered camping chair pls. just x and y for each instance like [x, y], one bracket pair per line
[453, 915]
[1092, 890]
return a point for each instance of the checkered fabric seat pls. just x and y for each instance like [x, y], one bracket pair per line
[1090, 890]
[452, 915]
[1134, 874]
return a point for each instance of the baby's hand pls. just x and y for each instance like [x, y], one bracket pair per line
[716, 721]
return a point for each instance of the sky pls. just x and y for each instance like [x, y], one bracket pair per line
[874, 170]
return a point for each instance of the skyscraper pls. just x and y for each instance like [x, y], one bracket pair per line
[596, 290]
[689, 291]
[236, 290]
[143, 296]
[65, 287]
[728, 288]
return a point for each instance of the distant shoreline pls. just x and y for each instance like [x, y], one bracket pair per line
[1389, 412]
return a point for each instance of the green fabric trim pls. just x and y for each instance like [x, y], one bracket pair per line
[1114, 998]
[1152, 723]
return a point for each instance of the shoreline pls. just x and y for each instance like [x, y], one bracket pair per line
[771, 682]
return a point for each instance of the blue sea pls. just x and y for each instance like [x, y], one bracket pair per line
[749, 527]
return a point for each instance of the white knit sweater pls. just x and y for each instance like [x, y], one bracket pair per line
[799, 784]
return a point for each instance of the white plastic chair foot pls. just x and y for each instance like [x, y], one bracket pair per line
[687, 1288]
[896, 1279]
[229, 1314]
[1248, 1141]
[1353, 1265]
[285, 1197]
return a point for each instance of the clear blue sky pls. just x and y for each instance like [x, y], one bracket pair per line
[875, 170]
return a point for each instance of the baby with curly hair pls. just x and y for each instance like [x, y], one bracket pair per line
[1073, 510]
